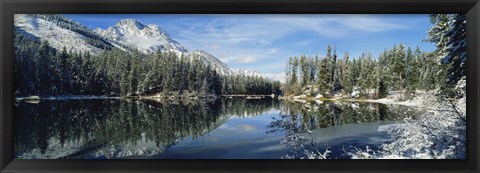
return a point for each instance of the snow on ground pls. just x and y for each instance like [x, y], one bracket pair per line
[386, 128]
[421, 99]
[300, 98]
[440, 133]
[66, 97]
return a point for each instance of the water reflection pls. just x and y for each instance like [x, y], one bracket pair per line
[312, 115]
[106, 129]
[312, 130]
[117, 128]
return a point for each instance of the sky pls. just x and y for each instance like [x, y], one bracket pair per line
[265, 42]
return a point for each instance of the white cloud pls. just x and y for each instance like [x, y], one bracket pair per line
[339, 25]
[247, 127]
[228, 30]
[240, 56]
[238, 128]
[370, 24]
[250, 39]
[245, 60]
[303, 43]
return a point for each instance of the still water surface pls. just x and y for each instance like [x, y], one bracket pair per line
[222, 129]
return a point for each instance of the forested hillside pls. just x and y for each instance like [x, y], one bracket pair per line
[44, 71]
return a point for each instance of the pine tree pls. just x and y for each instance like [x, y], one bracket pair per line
[457, 50]
[133, 77]
[364, 74]
[409, 81]
[323, 78]
[124, 84]
[347, 75]
[332, 70]
[438, 35]
[63, 72]
[87, 75]
[399, 66]
[204, 87]
[311, 68]
[293, 79]
[413, 70]
[328, 65]
[304, 71]
[288, 77]
[382, 89]
[43, 77]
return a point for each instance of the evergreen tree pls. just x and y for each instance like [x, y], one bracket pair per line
[382, 89]
[409, 81]
[323, 78]
[347, 75]
[456, 58]
[44, 69]
[288, 76]
[133, 77]
[332, 70]
[438, 35]
[305, 72]
[293, 79]
[63, 71]
[87, 75]
[398, 66]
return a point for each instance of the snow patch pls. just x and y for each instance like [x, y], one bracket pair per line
[56, 36]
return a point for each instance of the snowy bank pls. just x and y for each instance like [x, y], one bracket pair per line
[440, 133]
[423, 99]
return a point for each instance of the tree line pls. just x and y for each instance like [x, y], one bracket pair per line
[44, 71]
[399, 68]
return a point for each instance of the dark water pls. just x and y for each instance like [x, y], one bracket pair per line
[225, 128]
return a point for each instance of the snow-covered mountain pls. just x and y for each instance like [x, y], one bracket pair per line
[145, 38]
[57, 31]
[149, 38]
[126, 34]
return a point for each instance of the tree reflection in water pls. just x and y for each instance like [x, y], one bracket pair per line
[299, 120]
[119, 128]
[110, 129]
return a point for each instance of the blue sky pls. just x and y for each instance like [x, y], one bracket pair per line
[265, 42]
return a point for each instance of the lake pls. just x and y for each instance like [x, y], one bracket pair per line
[227, 128]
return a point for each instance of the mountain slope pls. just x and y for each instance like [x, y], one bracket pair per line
[61, 32]
[211, 60]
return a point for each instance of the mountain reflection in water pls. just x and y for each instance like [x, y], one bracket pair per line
[224, 128]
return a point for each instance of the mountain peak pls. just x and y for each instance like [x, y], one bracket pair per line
[145, 37]
[131, 23]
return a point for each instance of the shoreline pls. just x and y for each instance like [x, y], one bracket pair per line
[158, 96]
[421, 99]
